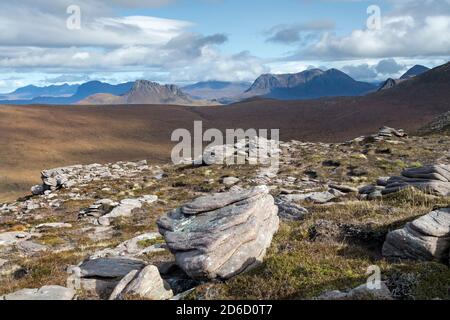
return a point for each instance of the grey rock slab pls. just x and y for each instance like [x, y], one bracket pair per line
[316, 197]
[290, 211]
[44, 293]
[11, 238]
[426, 238]
[148, 284]
[118, 290]
[219, 200]
[109, 267]
[30, 248]
[343, 188]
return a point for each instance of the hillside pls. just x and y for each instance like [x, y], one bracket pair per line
[33, 137]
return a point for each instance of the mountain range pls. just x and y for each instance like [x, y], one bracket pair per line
[31, 92]
[222, 91]
[309, 84]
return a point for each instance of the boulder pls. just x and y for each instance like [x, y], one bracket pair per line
[146, 284]
[426, 238]
[220, 235]
[99, 277]
[44, 293]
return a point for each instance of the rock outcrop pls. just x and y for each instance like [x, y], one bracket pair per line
[67, 177]
[425, 239]
[221, 235]
[255, 150]
[433, 179]
[105, 210]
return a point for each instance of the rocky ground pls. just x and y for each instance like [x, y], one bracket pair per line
[132, 230]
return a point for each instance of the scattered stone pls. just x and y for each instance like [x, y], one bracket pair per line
[103, 211]
[290, 211]
[44, 293]
[343, 188]
[55, 225]
[221, 235]
[426, 238]
[316, 197]
[132, 248]
[229, 181]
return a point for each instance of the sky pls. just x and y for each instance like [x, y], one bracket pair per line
[184, 41]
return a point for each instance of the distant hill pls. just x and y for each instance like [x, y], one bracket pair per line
[146, 92]
[216, 90]
[83, 91]
[415, 71]
[411, 73]
[31, 92]
[309, 84]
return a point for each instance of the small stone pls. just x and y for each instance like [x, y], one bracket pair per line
[229, 181]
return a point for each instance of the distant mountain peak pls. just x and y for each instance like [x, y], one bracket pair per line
[311, 83]
[415, 71]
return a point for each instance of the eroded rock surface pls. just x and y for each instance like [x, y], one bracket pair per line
[221, 235]
[427, 238]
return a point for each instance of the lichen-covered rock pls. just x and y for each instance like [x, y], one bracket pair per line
[221, 235]
[427, 238]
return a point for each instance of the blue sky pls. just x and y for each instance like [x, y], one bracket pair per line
[184, 41]
[246, 21]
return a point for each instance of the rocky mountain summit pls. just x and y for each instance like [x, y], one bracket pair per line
[308, 228]
[147, 92]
